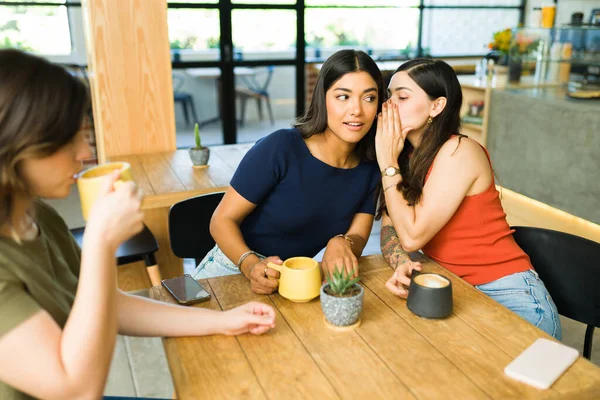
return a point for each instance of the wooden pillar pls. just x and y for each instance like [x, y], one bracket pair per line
[130, 72]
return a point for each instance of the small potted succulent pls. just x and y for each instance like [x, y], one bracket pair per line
[341, 298]
[199, 154]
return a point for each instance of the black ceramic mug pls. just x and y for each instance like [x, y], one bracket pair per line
[430, 295]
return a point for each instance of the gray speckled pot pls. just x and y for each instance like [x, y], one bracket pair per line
[200, 156]
[342, 311]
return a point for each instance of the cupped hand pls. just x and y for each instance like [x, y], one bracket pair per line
[338, 255]
[116, 214]
[254, 317]
[390, 135]
[264, 280]
[400, 280]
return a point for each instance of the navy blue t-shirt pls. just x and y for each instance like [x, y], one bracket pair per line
[301, 201]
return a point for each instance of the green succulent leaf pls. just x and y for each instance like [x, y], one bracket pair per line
[340, 281]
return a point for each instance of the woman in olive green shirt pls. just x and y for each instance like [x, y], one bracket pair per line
[60, 309]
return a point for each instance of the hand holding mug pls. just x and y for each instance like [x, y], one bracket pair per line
[400, 279]
[116, 214]
[263, 280]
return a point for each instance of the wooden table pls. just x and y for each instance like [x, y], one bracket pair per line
[167, 178]
[392, 354]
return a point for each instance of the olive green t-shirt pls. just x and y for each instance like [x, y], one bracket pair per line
[37, 274]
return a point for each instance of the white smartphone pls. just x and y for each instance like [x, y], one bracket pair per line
[542, 363]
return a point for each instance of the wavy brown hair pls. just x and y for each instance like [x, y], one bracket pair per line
[340, 63]
[437, 79]
[41, 109]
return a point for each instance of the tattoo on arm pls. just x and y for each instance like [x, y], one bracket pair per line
[391, 248]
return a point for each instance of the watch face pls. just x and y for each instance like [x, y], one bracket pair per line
[389, 171]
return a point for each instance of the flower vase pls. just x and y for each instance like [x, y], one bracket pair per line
[515, 69]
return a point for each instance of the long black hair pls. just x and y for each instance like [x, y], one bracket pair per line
[437, 79]
[334, 68]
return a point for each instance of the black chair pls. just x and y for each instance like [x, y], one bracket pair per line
[570, 268]
[255, 90]
[140, 247]
[185, 98]
[189, 222]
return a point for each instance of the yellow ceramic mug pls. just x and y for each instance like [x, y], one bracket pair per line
[300, 279]
[90, 181]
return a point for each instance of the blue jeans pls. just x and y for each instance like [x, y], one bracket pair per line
[524, 293]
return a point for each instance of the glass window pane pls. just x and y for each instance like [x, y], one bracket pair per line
[394, 35]
[197, 97]
[263, 1]
[194, 34]
[460, 32]
[362, 3]
[40, 29]
[472, 2]
[277, 108]
[255, 122]
[264, 34]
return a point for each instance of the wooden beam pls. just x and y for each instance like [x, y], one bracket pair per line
[130, 72]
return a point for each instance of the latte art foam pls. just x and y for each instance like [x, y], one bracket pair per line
[431, 281]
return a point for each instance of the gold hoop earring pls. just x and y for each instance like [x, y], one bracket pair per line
[429, 120]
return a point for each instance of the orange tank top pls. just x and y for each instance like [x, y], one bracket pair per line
[477, 243]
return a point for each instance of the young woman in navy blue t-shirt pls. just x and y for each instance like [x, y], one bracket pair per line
[300, 190]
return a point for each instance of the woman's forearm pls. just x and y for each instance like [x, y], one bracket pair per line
[403, 218]
[229, 238]
[88, 338]
[140, 316]
[391, 248]
[358, 244]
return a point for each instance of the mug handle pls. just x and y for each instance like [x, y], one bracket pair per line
[276, 267]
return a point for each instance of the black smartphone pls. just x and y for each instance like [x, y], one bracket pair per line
[186, 290]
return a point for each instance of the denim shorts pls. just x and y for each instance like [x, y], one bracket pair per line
[214, 264]
[524, 293]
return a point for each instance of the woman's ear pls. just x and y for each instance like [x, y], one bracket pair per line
[437, 107]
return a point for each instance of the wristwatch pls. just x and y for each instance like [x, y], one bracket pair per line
[390, 171]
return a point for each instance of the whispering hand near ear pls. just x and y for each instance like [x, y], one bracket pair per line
[390, 136]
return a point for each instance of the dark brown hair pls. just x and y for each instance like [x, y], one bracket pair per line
[41, 109]
[437, 79]
[334, 68]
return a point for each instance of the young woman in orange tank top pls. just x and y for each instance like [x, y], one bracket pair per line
[438, 195]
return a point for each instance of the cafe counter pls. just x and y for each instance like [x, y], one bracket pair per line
[546, 146]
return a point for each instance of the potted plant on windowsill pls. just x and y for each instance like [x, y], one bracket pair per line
[199, 154]
[342, 298]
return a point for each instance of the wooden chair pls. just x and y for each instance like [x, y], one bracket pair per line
[569, 266]
[259, 92]
[140, 247]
